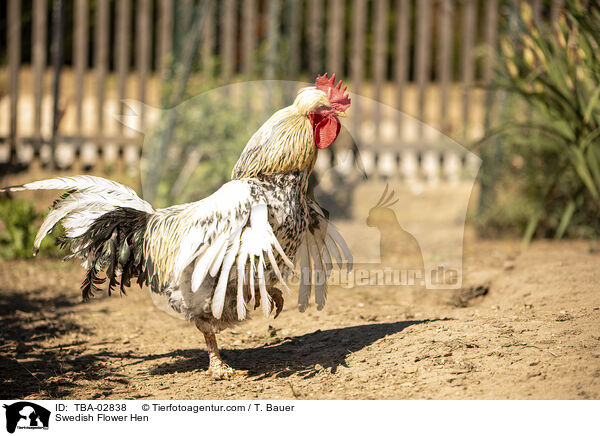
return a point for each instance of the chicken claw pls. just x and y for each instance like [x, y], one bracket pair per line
[277, 297]
[219, 370]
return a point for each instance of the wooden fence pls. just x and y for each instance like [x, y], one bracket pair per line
[426, 58]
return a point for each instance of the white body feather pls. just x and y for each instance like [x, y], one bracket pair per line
[225, 229]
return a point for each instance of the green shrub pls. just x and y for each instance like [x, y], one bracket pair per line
[549, 133]
[19, 223]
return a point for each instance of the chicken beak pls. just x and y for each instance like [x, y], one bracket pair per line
[340, 114]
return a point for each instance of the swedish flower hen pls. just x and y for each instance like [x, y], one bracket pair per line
[210, 259]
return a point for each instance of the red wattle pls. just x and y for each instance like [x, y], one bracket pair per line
[326, 129]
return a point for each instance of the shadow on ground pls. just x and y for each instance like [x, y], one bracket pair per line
[291, 355]
[27, 365]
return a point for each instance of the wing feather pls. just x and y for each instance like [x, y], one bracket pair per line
[265, 298]
[229, 227]
[241, 272]
[206, 260]
[251, 274]
[276, 270]
[218, 260]
[320, 243]
[333, 249]
[319, 278]
[327, 261]
[305, 277]
[220, 291]
[339, 240]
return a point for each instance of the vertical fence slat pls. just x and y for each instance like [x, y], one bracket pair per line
[273, 14]
[165, 39]
[248, 36]
[379, 56]
[208, 39]
[335, 38]
[537, 10]
[401, 54]
[144, 20]
[273, 24]
[295, 34]
[445, 59]
[555, 9]
[227, 38]
[40, 25]
[14, 61]
[422, 56]
[491, 40]
[58, 18]
[315, 37]
[358, 55]
[467, 60]
[101, 30]
[122, 52]
[80, 57]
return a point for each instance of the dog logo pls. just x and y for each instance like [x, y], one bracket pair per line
[26, 415]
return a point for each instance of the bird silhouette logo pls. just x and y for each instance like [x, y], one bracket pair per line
[397, 247]
[26, 415]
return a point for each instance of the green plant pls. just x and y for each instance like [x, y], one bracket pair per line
[19, 223]
[551, 131]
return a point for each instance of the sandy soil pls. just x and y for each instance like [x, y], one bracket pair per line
[535, 333]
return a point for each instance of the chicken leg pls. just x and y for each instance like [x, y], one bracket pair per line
[218, 369]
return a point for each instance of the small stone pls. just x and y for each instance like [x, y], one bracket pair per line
[563, 316]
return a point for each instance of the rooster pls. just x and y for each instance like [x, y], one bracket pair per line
[212, 258]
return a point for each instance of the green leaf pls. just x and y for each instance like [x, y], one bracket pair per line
[591, 105]
[555, 131]
[580, 166]
[530, 230]
[565, 220]
[593, 159]
[589, 138]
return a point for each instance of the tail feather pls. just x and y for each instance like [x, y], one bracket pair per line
[90, 184]
[104, 225]
[114, 242]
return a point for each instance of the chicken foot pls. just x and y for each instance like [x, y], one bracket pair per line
[218, 369]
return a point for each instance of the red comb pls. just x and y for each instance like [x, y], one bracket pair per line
[338, 97]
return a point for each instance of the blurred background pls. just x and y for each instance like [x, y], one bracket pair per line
[514, 82]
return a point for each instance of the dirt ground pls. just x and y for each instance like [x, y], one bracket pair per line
[531, 330]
